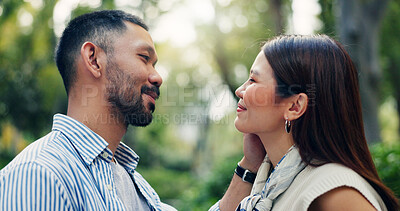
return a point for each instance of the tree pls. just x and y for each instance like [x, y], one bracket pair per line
[259, 28]
[233, 40]
[390, 54]
[359, 26]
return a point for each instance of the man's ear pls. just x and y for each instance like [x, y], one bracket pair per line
[298, 107]
[93, 58]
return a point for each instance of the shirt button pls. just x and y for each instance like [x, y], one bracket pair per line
[109, 187]
[105, 155]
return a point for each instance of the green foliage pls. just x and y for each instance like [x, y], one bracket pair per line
[327, 17]
[211, 187]
[387, 161]
[155, 144]
[31, 91]
[5, 158]
[169, 184]
[26, 54]
[389, 52]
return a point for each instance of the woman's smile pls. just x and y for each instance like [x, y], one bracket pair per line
[240, 107]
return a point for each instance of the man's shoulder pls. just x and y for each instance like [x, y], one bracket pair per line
[47, 152]
[31, 180]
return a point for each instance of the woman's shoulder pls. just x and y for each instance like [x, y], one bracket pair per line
[330, 166]
[329, 170]
[328, 176]
[313, 182]
[341, 198]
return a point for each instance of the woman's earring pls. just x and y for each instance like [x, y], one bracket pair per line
[288, 125]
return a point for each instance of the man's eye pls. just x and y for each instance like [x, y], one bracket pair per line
[147, 58]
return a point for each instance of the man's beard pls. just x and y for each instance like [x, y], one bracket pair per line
[127, 104]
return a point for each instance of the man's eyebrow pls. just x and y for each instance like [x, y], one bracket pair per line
[150, 50]
[147, 48]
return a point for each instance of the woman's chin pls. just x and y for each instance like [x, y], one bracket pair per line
[240, 127]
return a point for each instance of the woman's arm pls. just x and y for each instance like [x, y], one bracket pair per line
[254, 154]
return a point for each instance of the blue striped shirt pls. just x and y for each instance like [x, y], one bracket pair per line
[68, 169]
[215, 207]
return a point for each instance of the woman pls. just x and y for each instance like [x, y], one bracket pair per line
[300, 112]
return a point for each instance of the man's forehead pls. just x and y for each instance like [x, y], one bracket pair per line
[136, 38]
[144, 46]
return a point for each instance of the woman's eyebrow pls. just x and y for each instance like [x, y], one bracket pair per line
[254, 72]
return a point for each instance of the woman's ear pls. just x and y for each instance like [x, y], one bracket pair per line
[92, 57]
[299, 106]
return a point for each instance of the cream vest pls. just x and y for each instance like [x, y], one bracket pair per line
[315, 181]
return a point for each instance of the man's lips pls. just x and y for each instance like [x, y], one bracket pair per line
[152, 92]
[153, 96]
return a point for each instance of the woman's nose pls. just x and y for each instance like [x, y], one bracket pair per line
[239, 91]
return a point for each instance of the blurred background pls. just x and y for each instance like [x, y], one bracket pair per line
[205, 50]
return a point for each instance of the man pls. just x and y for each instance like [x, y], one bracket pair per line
[107, 62]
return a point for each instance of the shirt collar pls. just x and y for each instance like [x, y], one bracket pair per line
[87, 143]
[126, 157]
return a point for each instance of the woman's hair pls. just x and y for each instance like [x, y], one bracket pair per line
[331, 130]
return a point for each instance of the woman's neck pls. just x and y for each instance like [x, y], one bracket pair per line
[276, 145]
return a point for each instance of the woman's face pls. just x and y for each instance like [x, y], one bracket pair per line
[258, 111]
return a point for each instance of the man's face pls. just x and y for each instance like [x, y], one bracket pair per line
[133, 83]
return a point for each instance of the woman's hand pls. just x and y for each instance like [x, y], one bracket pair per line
[254, 152]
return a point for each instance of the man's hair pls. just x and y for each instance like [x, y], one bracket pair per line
[100, 28]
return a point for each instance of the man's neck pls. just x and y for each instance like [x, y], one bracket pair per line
[102, 122]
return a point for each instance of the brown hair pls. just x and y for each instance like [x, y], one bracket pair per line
[331, 130]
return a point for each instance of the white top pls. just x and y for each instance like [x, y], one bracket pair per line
[126, 190]
[312, 182]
